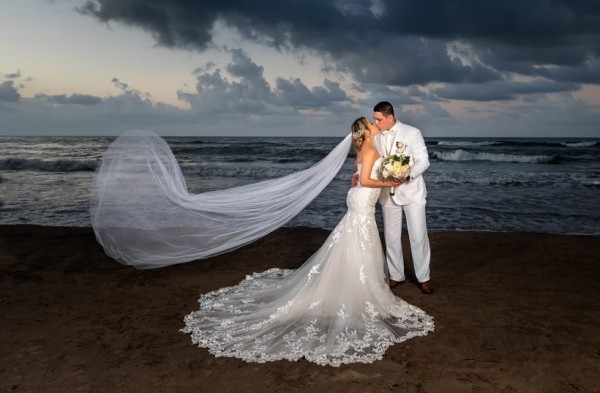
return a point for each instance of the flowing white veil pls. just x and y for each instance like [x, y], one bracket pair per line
[144, 216]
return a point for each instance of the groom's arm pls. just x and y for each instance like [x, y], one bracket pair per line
[419, 154]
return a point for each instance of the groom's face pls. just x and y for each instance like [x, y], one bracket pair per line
[383, 122]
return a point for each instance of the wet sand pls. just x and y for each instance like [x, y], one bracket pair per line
[514, 312]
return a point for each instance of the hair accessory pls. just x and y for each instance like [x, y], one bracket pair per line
[356, 134]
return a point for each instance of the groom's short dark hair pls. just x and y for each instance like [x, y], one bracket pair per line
[385, 108]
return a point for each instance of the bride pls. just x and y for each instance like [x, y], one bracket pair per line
[336, 308]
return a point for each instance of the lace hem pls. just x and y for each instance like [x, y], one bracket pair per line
[234, 322]
[215, 349]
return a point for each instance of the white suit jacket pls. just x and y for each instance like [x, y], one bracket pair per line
[414, 190]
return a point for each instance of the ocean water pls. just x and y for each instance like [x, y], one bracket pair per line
[546, 185]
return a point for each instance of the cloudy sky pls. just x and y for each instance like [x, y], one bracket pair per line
[299, 67]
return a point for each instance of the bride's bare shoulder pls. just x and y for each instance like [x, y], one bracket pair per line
[370, 152]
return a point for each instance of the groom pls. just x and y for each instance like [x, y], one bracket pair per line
[409, 198]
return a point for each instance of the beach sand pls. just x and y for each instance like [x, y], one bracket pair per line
[514, 312]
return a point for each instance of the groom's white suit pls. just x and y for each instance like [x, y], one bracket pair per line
[410, 198]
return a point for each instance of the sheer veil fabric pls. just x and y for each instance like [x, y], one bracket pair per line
[144, 216]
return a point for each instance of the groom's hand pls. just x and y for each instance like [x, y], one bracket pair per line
[354, 180]
[404, 180]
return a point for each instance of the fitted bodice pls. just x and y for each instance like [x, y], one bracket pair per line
[374, 170]
[361, 199]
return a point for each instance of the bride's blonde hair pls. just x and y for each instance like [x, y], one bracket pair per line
[359, 129]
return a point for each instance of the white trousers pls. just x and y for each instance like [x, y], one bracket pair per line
[417, 232]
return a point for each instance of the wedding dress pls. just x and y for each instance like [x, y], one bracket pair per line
[335, 309]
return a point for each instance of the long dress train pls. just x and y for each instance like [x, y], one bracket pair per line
[335, 309]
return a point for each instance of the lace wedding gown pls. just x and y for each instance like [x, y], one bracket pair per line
[336, 308]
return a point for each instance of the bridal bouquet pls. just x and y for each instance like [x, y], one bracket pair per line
[395, 166]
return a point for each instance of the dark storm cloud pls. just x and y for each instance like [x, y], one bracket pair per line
[124, 87]
[584, 73]
[399, 42]
[412, 62]
[8, 93]
[294, 93]
[13, 75]
[73, 99]
[252, 93]
[501, 91]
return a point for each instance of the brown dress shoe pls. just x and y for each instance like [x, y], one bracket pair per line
[426, 287]
[393, 283]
